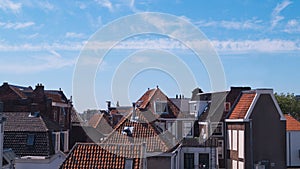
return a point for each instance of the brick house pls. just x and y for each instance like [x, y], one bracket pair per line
[36, 140]
[255, 132]
[52, 104]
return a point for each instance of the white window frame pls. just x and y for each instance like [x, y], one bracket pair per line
[185, 131]
[241, 144]
[163, 102]
[234, 164]
[229, 139]
[241, 165]
[66, 141]
[213, 127]
[57, 141]
[234, 139]
[220, 149]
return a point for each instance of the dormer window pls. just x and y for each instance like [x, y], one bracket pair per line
[128, 131]
[161, 107]
[227, 106]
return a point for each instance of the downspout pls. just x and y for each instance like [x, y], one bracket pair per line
[290, 158]
[251, 144]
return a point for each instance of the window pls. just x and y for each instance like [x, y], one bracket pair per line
[161, 107]
[227, 106]
[220, 149]
[234, 140]
[241, 144]
[56, 141]
[188, 160]
[203, 161]
[64, 141]
[203, 130]
[217, 128]
[229, 140]
[241, 165]
[30, 139]
[234, 164]
[171, 127]
[187, 129]
[128, 163]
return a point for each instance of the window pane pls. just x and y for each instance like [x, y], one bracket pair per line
[30, 139]
[188, 160]
[204, 161]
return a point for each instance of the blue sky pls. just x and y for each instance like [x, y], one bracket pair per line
[258, 43]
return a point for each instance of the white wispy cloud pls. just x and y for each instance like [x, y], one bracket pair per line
[236, 25]
[16, 25]
[275, 16]
[262, 45]
[67, 46]
[106, 4]
[9, 5]
[74, 35]
[292, 26]
[222, 46]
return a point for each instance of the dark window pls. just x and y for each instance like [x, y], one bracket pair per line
[203, 161]
[188, 160]
[62, 141]
[217, 129]
[30, 139]
[161, 107]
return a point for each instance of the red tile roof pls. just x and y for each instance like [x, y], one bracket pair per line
[144, 131]
[104, 156]
[242, 106]
[145, 99]
[291, 123]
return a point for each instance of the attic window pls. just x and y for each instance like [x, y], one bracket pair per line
[127, 131]
[227, 106]
[30, 139]
[161, 107]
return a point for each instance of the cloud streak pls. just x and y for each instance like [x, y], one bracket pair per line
[275, 16]
[9, 5]
[16, 25]
[235, 25]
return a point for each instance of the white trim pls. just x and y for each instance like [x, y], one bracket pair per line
[277, 107]
[236, 120]
[251, 107]
[60, 104]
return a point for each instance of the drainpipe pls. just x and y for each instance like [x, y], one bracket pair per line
[2, 120]
[251, 144]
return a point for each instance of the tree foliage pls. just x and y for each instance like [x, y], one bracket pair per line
[289, 104]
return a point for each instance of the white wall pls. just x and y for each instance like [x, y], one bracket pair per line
[293, 148]
[52, 163]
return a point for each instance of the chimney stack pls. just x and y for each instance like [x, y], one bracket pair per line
[108, 104]
[133, 116]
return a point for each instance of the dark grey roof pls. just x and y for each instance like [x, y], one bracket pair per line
[182, 104]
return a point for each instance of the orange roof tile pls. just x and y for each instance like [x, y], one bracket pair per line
[145, 99]
[91, 155]
[143, 131]
[241, 108]
[291, 123]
